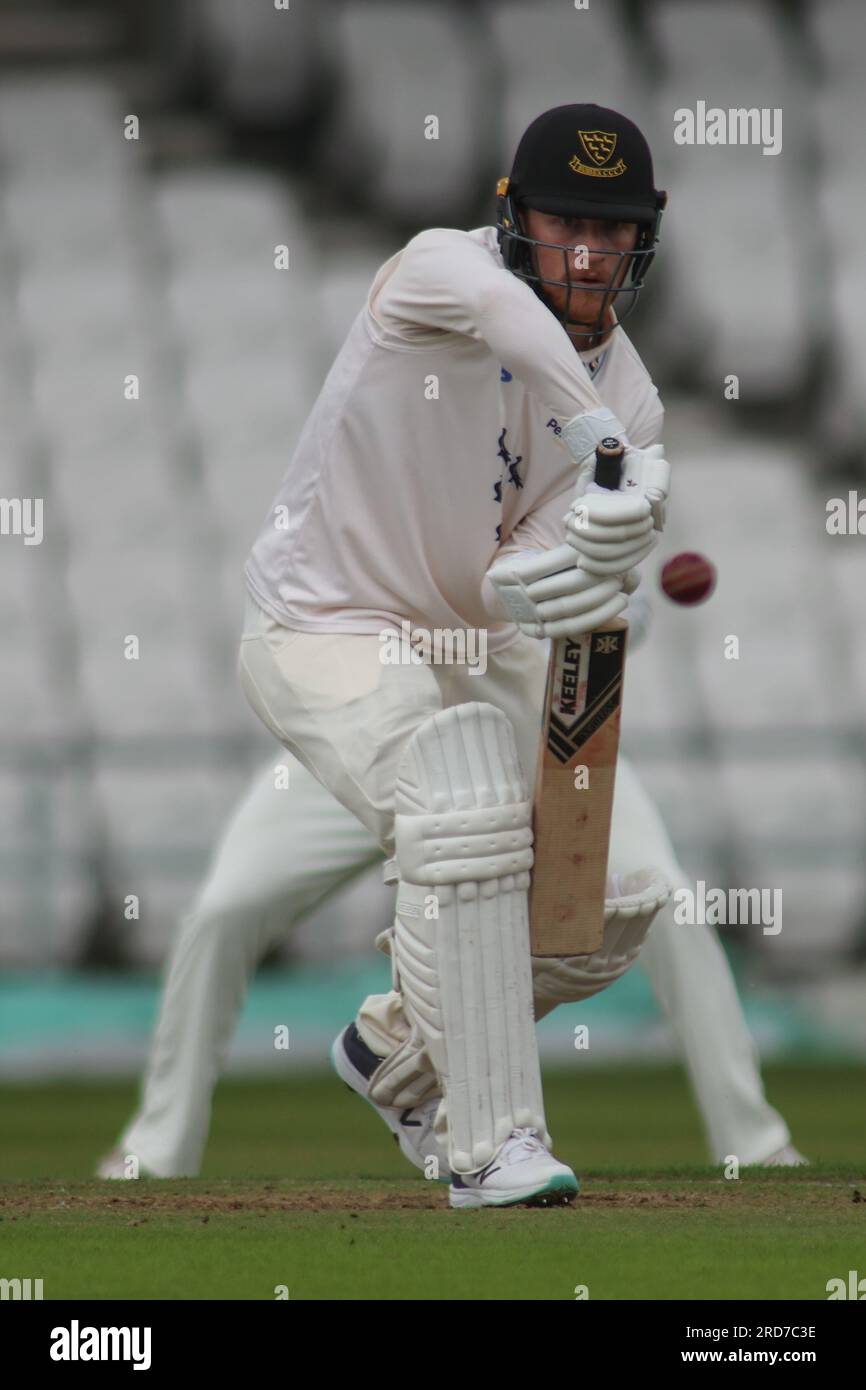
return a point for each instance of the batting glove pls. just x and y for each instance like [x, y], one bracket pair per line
[645, 471]
[547, 595]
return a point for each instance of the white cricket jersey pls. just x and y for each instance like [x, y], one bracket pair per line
[433, 443]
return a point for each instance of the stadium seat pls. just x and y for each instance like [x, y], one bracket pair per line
[54, 123]
[374, 143]
[248, 310]
[48, 828]
[656, 696]
[741, 46]
[81, 403]
[680, 783]
[761, 507]
[160, 696]
[45, 829]
[225, 218]
[243, 406]
[31, 707]
[842, 563]
[127, 501]
[36, 689]
[74, 220]
[241, 486]
[772, 721]
[796, 824]
[838, 31]
[96, 308]
[267, 66]
[161, 826]
[730, 246]
[549, 54]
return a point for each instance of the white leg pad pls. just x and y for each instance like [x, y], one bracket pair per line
[461, 936]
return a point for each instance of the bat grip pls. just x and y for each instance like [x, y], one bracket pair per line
[609, 456]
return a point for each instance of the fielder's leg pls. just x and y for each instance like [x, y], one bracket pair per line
[692, 980]
[283, 852]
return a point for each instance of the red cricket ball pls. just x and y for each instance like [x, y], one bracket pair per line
[688, 578]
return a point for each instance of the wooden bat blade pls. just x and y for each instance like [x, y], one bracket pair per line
[580, 729]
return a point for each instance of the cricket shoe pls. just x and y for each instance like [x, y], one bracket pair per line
[786, 1157]
[354, 1062]
[523, 1173]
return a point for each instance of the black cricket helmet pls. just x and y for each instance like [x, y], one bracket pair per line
[581, 161]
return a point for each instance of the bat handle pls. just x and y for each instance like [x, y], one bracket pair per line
[609, 456]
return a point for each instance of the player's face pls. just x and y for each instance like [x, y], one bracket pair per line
[585, 255]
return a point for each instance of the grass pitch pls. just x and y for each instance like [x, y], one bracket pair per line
[303, 1190]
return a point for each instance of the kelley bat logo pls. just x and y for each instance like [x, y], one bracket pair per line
[587, 690]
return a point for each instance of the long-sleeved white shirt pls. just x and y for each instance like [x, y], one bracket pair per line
[432, 447]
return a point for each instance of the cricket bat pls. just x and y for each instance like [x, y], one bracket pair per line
[575, 776]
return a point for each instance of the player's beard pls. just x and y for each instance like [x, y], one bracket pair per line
[595, 319]
[587, 317]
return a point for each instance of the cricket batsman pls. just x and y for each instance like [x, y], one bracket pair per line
[441, 481]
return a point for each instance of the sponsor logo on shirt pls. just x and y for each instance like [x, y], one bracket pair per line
[510, 471]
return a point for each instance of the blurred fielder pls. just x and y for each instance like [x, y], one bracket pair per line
[439, 490]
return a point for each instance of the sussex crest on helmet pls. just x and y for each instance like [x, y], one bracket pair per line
[598, 144]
